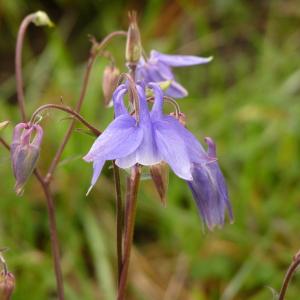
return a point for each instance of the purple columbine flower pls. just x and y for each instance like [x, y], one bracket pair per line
[154, 137]
[158, 68]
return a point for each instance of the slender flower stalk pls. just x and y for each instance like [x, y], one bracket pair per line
[18, 63]
[289, 274]
[119, 218]
[53, 235]
[96, 49]
[39, 19]
[70, 111]
[131, 202]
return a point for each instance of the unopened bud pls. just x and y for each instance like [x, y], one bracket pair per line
[180, 117]
[7, 280]
[3, 124]
[24, 151]
[133, 44]
[109, 83]
[42, 19]
[160, 177]
[7, 285]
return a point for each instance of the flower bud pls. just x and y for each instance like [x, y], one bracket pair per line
[109, 83]
[160, 177]
[133, 44]
[7, 285]
[24, 152]
[42, 19]
[3, 124]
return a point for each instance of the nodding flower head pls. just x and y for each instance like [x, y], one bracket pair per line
[24, 151]
[158, 139]
[158, 68]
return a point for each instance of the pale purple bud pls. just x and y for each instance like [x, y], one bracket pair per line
[24, 151]
[109, 83]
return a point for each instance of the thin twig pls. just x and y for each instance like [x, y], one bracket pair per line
[93, 54]
[53, 235]
[119, 217]
[129, 229]
[4, 143]
[69, 110]
[18, 63]
[288, 276]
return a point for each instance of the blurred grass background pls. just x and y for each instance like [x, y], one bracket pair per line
[247, 99]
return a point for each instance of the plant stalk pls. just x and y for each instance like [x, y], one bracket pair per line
[129, 228]
[119, 218]
[93, 54]
[288, 276]
[18, 63]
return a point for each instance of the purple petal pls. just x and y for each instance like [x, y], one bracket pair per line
[146, 153]
[195, 150]
[118, 100]
[97, 166]
[172, 148]
[178, 60]
[210, 193]
[176, 90]
[121, 138]
[155, 74]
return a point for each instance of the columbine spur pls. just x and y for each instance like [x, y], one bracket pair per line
[158, 68]
[149, 138]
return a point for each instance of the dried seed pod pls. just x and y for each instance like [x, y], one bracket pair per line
[109, 83]
[160, 176]
[133, 45]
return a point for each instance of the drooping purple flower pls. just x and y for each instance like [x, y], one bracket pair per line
[126, 140]
[210, 191]
[155, 137]
[158, 68]
[25, 150]
[149, 140]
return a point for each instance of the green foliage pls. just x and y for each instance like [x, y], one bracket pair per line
[247, 99]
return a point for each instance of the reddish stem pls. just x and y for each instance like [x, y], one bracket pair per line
[94, 52]
[18, 63]
[288, 276]
[129, 229]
